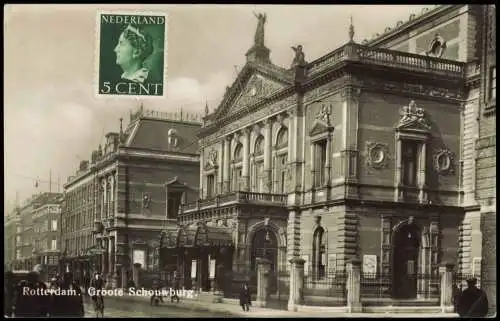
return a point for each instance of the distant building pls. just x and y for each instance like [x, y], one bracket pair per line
[367, 152]
[30, 221]
[47, 233]
[116, 204]
[12, 239]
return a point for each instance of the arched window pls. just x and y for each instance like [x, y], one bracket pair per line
[173, 139]
[282, 139]
[319, 253]
[258, 166]
[281, 161]
[237, 167]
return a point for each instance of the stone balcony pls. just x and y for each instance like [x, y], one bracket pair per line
[386, 58]
[188, 210]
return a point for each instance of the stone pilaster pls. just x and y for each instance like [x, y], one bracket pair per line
[293, 235]
[246, 160]
[226, 165]
[447, 288]
[354, 286]
[296, 296]
[268, 181]
[347, 229]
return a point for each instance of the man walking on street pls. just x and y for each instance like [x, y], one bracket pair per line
[473, 301]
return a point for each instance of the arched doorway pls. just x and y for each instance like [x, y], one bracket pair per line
[264, 245]
[405, 258]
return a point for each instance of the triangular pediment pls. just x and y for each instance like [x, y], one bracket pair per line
[318, 128]
[253, 84]
[414, 125]
[175, 183]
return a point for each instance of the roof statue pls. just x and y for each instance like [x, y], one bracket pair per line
[259, 32]
[300, 57]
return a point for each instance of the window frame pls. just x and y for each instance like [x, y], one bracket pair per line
[405, 160]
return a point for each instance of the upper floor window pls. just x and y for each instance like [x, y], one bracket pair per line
[238, 153]
[173, 138]
[320, 154]
[210, 185]
[282, 139]
[54, 225]
[410, 161]
[493, 83]
[174, 201]
[282, 173]
[53, 244]
[259, 146]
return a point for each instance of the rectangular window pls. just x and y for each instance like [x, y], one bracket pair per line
[53, 244]
[210, 186]
[320, 154]
[18, 254]
[493, 83]
[54, 225]
[237, 179]
[18, 239]
[174, 201]
[410, 161]
[258, 176]
[282, 173]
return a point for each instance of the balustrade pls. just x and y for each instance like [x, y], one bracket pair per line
[236, 197]
[386, 57]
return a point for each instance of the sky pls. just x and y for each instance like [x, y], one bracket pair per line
[53, 120]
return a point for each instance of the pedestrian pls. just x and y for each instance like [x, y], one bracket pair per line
[175, 286]
[25, 305]
[42, 301]
[156, 293]
[456, 292]
[8, 294]
[473, 301]
[245, 297]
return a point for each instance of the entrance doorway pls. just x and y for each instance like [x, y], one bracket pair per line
[264, 245]
[406, 242]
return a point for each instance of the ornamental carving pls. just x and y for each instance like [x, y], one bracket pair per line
[212, 160]
[443, 162]
[324, 115]
[414, 89]
[377, 155]
[413, 117]
[437, 47]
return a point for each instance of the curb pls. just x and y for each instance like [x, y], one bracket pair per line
[184, 306]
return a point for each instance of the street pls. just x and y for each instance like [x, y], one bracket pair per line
[116, 308]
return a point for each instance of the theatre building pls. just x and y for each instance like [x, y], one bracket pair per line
[358, 154]
[115, 206]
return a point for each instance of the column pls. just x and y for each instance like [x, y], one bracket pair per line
[421, 173]
[220, 171]
[246, 159]
[104, 199]
[296, 296]
[202, 176]
[293, 233]
[328, 160]
[111, 201]
[263, 267]
[353, 286]
[226, 168]
[104, 270]
[268, 130]
[111, 258]
[398, 182]
[447, 288]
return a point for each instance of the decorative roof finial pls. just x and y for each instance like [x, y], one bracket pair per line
[351, 30]
[206, 108]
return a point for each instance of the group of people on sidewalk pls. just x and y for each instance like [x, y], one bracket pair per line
[471, 302]
[33, 298]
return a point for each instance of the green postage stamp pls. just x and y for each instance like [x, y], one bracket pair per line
[131, 54]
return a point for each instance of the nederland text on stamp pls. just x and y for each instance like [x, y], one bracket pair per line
[131, 54]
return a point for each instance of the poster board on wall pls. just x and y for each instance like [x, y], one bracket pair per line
[211, 271]
[369, 266]
[306, 264]
[138, 256]
[194, 264]
[332, 263]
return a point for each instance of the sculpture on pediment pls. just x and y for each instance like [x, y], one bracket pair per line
[259, 32]
[324, 114]
[300, 58]
[413, 114]
[436, 47]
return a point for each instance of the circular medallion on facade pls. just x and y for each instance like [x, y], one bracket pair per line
[443, 162]
[377, 155]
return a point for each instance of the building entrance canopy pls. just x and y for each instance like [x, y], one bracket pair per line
[199, 235]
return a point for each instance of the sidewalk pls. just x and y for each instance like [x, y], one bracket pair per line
[232, 307]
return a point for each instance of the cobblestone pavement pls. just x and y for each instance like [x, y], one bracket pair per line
[116, 308]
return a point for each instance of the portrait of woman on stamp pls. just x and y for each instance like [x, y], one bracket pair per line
[133, 48]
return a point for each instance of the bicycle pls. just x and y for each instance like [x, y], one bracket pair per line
[99, 305]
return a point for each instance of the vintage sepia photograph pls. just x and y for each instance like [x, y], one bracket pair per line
[235, 161]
